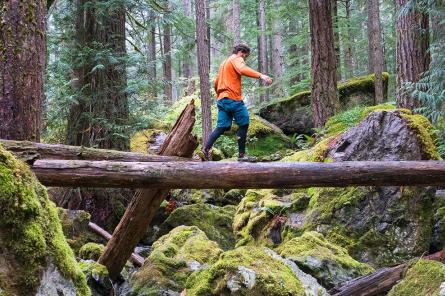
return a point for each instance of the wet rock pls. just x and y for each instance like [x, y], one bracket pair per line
[97, 278]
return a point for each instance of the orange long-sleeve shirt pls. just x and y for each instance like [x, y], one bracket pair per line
[228, 81]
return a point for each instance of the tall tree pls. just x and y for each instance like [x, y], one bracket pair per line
[324, 100]
[262, 44]
[187, 63]
[22, 63]
[203, 44]
[277, 52]
[336, 38]
[412, 57]
[348, 48]
[236, 22]
[168, 88]
[152, 57]
[375, 45]
[100, 115]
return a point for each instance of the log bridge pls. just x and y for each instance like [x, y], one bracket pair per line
[155, 175]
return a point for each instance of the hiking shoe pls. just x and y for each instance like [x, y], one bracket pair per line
[205, 155]
[246, 158]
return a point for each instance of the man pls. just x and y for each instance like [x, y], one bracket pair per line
[230, 104]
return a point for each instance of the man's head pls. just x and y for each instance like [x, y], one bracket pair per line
[241, 50]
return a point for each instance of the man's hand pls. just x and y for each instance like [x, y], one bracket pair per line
[267, 80]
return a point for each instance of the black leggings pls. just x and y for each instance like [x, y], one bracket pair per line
[241, 136]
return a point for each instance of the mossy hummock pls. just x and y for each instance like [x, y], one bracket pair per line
[30, 232]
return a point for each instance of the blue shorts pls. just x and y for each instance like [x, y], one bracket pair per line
[229, 109]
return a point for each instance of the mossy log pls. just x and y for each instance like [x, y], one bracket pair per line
[380, 281]
[31, 151]
[142, 208]
[135, 258]
[228, 175]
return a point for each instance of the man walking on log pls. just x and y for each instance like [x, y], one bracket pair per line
[230, 104]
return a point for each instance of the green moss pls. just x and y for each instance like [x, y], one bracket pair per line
[168, 265]
[423, 278]
[212, 281]
[329, 263]
[91, 251]
[359, 84]
[424, 131]
[31, 229]
[216, 222]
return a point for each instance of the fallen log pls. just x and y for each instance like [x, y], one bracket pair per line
[136, 259]
[378, 282]
[31, 151]
[142, 208]
[229, 175]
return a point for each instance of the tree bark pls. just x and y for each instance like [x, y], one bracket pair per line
[412, 57]
[187, 64]
[22, 63]
[262, 46]
[100, 115]
[203, 67]
[349, 49]
[324, 100]
[336, 30]
[228, 175]
[136, 220]
[135, 258]
[168, 88]
[277, 52]
[30, 152]
[152, 59]
[375, 45]
[236, 22]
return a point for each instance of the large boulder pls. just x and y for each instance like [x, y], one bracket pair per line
[328, 263]
[425, 277]
[174, 257]
[293, 115]
[252, 271]
[35, 258]
[377, 225]
[215, 221]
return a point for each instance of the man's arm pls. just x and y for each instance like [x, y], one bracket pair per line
[242, 69]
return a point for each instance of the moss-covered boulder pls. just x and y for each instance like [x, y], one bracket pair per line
[75, 228]
[173, 258]
[293, 115]
[327, 262]
[97, 277]
[91, 251]
[194, 196]
[425, 277]
[35, 257]
[377, 225]
[215, 221]
[147, 141]
[252, 271]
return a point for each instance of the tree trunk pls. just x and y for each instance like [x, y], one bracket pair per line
[203, 67]
[152, 59]
[187, 64]
[30, 152]
[137, 218]
[277, 52]
[324, 101]
[236, 22]
[412, 57]
[100, 117]
[336, 38]
[349, 52]
[262, 46]
[168, 88]
[181, 175]
[135, 258]
[22, 63]
[375, 46]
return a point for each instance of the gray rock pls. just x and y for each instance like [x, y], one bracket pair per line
[53, 283]
[244, 277]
